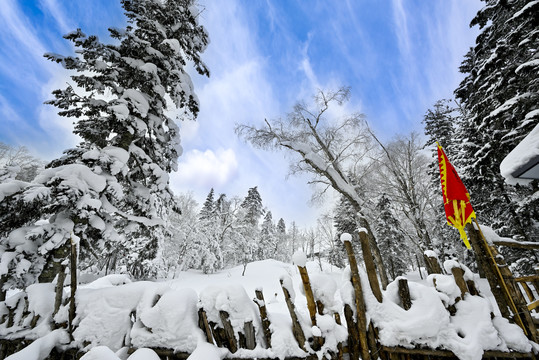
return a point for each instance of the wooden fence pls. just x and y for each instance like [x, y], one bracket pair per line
[362, 342]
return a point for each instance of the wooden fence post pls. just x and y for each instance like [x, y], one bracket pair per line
[404, 294]
[360, 301]
[229, 331]
[296, 327]
[458, 274]
[482, 255]
[263, 316]
[203, 324]
[369, 265]
[353, 333]
[311, 305]
[431, 261]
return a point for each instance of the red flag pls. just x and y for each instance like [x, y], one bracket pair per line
[458, 209]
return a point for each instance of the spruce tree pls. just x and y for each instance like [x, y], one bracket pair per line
[268, 239]
[393, 246]
[111, 192]
[501, 94]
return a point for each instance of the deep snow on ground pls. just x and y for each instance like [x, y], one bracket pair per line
[114, 312]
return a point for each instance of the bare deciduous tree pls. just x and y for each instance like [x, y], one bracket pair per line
[329, 144]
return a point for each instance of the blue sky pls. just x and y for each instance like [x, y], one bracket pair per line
[398, 56]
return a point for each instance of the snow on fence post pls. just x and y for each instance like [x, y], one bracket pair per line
[431, 261]
[369, 264]
[263, 316]
[296, 327]
[360, 301]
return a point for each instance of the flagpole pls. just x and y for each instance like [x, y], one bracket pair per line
[502, 281]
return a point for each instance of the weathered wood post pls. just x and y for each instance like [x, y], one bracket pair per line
[353, 333]
[263, 316]
[360, 301]
[458, 275]
[509, 288]
[482, 256]
[369, 264]
[404, 294]
[73, 285]
[296, 327]
[431, 261]
[229, 331]
[203, 324]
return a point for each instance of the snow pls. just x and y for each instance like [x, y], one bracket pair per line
[206, 351]
[299, 258]
[113, 312]
[346, 237]
[74, 177]
[41, 348]
[524, 152]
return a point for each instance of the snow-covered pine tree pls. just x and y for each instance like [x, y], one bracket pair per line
[393, 245]
[268, 238]
[253, 206]
[281, 244]
[110, 191]
[208, 245]
[440, 123]
[501, 94]
[208, 209]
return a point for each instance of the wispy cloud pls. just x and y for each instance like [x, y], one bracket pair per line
[64, 23]
[17, 31]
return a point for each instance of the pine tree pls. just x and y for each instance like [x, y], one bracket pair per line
[111, 191]
[253, 206]
[440, 123]
[268, 239]
[209, 207]
[501, 94]
[393, 245]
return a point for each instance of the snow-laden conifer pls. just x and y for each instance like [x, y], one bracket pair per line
[111, 191]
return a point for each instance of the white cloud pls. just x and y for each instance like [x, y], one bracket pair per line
[64, 23]
[205, 169]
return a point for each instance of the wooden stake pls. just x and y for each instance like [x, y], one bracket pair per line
[264, 317]
[249, 330]
[59, 290]
[353, 333]
[311, 305]
[404, 294]
[514, 296]
[433, 266]
[458, 274]
[229, 331]
[360, 302]
[482, 256]
[296, 327]
[369, 265]
[203, 324]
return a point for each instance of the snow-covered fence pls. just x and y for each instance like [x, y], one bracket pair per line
[448, 315]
